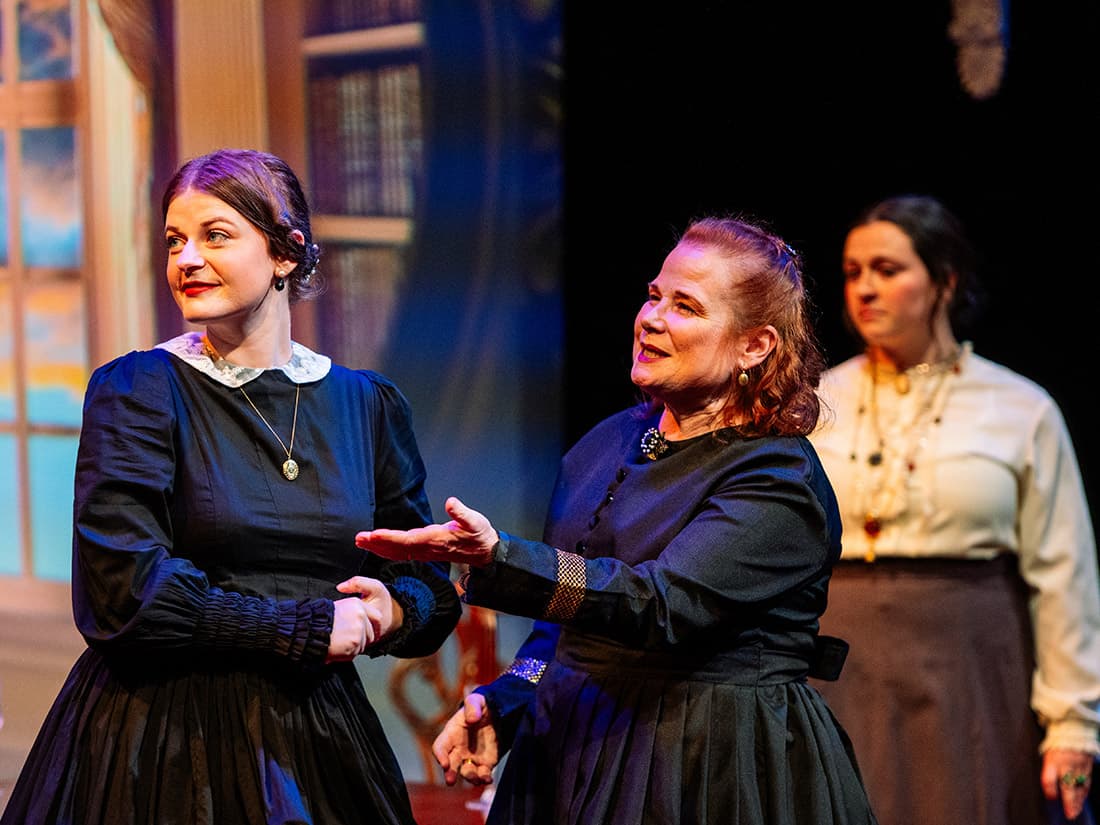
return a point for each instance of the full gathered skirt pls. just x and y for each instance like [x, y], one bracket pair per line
[636, 744]
[212, 746]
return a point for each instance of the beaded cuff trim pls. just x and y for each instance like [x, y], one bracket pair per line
[569, 592]
[530, 670]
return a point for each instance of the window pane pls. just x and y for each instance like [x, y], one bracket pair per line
[45, 40]
[50, 220]
[11, 536]
[56, 353]
[53, 462]
[7, 355]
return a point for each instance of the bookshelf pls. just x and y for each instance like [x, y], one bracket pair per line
[455, 295]
[363, 163]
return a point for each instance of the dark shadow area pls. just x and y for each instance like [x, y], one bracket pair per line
[800, 113]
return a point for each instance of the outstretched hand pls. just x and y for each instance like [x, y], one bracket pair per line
[468, 538]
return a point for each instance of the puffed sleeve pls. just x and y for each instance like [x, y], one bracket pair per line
[131, 597]
[425, 591]
[1058, 560]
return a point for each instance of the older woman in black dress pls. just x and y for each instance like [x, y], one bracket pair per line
[678, 587]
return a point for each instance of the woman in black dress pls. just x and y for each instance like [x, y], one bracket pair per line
[220, 480]
[677, 591]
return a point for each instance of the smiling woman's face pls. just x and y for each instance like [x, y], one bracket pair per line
[218, 264]
[686, 339]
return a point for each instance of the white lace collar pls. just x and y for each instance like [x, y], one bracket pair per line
[304, 364]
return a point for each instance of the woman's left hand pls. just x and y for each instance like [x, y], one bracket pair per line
[468, 538]
[361, 622]
[1069, 774]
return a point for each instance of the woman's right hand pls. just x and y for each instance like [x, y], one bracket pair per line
[468, 538]
[467, 745]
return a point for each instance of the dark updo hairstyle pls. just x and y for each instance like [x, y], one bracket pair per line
[941, 242]
[265, 190]
[765, 273]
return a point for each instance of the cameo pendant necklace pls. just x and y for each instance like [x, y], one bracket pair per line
[290, 466]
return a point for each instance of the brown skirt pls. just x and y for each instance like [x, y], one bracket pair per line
[935, 690]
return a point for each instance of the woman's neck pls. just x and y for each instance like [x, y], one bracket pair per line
[679, 425]
[259, 351]
[931, 351]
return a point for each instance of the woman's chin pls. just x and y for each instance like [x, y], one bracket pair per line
[648, 387]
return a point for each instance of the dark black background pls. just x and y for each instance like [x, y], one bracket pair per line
[800, 114]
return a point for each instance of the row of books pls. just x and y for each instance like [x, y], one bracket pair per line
[330, 16]
[356, 316]
[366, 140]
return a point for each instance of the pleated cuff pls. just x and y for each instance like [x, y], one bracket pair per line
[417, 601]
[296, 630]
[305, 630]
[233, 621]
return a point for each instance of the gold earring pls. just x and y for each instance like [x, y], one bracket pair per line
[743, 378]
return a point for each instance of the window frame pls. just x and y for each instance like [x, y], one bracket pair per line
[111, 114]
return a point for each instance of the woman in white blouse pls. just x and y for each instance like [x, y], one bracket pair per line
[968, 588]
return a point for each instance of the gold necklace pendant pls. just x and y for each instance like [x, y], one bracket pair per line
[290, 466]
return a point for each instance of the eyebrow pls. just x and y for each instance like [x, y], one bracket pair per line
[678, 293]
[207, 223]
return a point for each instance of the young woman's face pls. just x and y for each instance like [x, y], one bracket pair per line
[219, 268]
[685, 335]
[888, 292]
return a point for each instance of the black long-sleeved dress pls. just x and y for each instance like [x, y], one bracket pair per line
[203, 582]
[677, 604]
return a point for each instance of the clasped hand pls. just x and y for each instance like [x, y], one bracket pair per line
[363, 619]
[468, 538]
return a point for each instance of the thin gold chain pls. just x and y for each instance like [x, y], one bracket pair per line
[290, 466]
[293, 426]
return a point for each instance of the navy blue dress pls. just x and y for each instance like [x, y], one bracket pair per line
[203, 583]
[677, 604]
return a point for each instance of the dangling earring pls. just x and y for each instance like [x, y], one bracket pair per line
[743, 378]
[280, 281]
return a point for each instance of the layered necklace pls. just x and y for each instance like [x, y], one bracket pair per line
[881, 487]
[290, 466]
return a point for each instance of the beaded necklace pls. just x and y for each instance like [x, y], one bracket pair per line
[880, 491]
